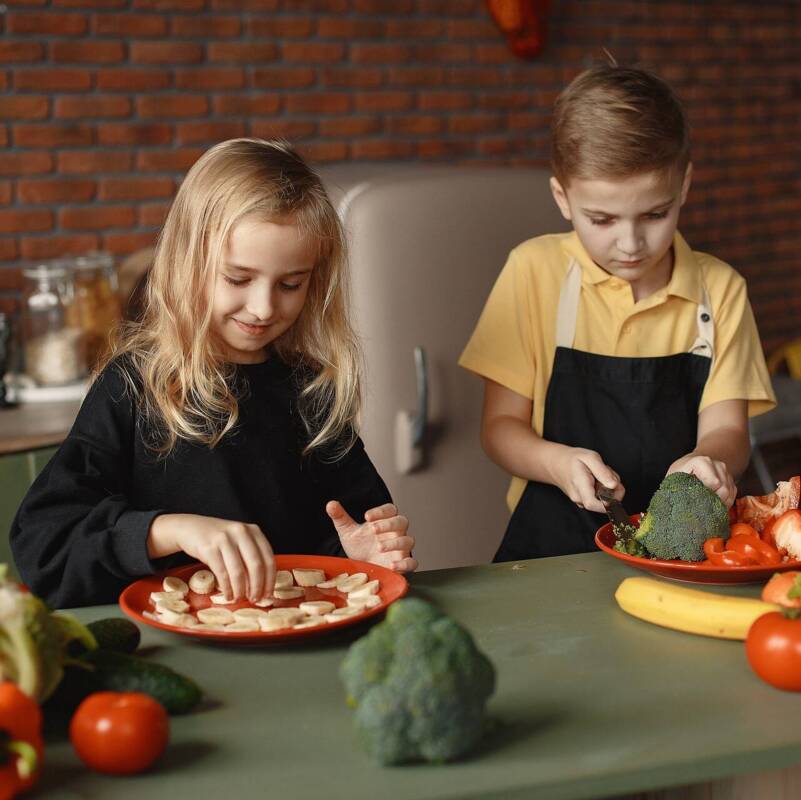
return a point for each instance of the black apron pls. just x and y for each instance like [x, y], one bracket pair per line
[640, 414]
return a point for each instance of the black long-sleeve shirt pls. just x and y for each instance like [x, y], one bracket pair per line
[80, 535]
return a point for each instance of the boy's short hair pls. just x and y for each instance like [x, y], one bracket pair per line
[614, 122]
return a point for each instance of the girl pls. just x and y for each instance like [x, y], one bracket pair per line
[224, 420]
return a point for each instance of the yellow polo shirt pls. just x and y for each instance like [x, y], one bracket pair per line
[515, 339]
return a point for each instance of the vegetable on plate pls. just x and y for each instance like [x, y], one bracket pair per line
[21, 743]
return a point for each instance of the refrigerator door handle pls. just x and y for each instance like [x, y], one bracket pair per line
[410, 426]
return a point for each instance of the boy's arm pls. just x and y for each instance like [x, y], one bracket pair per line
[722, 448]
[508, 439]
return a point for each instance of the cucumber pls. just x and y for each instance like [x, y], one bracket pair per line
[117, 634]
[120, 672]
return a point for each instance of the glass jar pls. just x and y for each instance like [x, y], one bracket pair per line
[97, 305]
[52, 346]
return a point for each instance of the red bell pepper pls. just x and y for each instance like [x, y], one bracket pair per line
[21, 743]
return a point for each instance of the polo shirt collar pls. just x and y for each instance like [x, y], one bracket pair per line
[684, 282]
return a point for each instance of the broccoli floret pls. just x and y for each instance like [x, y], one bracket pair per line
[631, 547]
[419, 686]
[681, 516]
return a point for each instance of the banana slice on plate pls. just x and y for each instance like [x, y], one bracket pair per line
[270, 624]
[342, 613]
[308, 577]
[177, 620]
[265, 602]
[311, 622]
[249, 614]
[203, 582]
[316, 608]
[291, 593]
[173, 604]
[290, 613]
[353, 582]
[157, 597]
[283, 579]
[332, 583]
[173, 584]
[251, 626]
[364, 601]
[216, 616]
[220, 600]
[371, 587]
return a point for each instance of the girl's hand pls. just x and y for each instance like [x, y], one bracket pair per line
[237, 553]
[713, 474]
[381, 539]
[576, 473]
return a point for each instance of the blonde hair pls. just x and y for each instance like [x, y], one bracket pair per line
[614, 122]
[185, 387]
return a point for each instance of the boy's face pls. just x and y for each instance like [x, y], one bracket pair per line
[626, 225]
[260, 288]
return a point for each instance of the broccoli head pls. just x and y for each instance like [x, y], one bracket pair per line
[681, 516]
[419, 686]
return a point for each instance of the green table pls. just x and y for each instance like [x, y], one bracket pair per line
[593, 703]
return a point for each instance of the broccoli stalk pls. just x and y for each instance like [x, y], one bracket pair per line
[681, 516]
[419, 686]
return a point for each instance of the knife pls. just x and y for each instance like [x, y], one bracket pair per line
[620, 519]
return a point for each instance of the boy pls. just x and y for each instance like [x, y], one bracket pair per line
[614, 354]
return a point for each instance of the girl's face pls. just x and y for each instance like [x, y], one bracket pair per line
[260, 288]
[627, 225]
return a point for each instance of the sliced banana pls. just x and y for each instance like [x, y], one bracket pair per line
[365, 601]
[316, 608]
[216, 616]
[353, 582]
[371, 587]
[332, 583]
[156, 597]
[270, 624]
[242, 627]
[220, 600]
[173, 584]
[311, 622]
[151, 616]
[342, 613]
[265, 602]
[292, 614]
[249, 614]
[177, 619]
[172, 604]
[283, 579]
[203, 582]
[308, 577]
[292, 593]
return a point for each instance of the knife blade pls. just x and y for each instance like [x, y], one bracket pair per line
[618, 516]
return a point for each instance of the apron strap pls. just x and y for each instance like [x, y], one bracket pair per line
[567, 312]
[704, 344]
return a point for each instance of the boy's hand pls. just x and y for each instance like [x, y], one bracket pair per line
[576, 473]
[713, 474]
[237, 553]
[381, 539]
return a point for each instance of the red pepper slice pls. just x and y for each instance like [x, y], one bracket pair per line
[753, 547]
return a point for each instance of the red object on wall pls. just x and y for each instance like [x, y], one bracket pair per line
[523, 22]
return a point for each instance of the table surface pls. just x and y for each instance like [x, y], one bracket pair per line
[34, 425]
[590, 702]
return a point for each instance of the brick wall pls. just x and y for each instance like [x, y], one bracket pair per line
[105, 103]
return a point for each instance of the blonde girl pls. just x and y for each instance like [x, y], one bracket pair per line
[223, 427]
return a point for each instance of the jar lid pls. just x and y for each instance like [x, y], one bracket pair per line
[49, 270]
[94, 260]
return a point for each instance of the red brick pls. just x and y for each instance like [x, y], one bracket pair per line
[475, 123]
[93, 105]
[246, 104]
[384, 101]
[445, 101]
[10, 278]
[313, 52]
[280, 27]
[415, 29]
[396, 7]
[508, 101]
[358, 77]
[208, 132]
[349, 126]
[379, 53]
[292, 129]
[52, 135]
[52, 79]
[34, 247]
[169, 105]
[152, 215]
[471, 29]
[417, 76]
[8, 251]
[381, 149]
[324, 151]
[318, 6]
[3, 136]
[55, 190]
[133, 80]
[25, 163]
[217, 78]
[79, 162]
[8, 305]
[244, 5]
[91, 3]
[124, 243]
[447, 8]
[3, 80]
[178, 160]
[448, 53]
[21, 51]
[96, 217]
[5, 192]
[24, 107]
[471, 77]
[170, 5]
[130, 188]
[47, 24]
[15, 220]
[166, 52]
[318, 103]
[417, 124]
[242, 52]
[134, 134]
[94, 52]
[346, 28]
[212, 27]
[282, 78]
[127, 25]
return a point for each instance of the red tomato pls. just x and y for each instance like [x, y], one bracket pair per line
[773, 647]
[775, 590]
[119, 732]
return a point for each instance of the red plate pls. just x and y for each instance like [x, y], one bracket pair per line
[693, 571]
[135, 599]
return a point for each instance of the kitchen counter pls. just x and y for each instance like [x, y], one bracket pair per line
[35, 425]
[591, 702]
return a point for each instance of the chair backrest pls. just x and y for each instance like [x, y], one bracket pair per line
[426, 244]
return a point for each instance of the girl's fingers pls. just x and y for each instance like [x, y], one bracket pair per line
[381, 512]
[584, 485]
[268, 558]
[215, 563]
[237, 573]
[397, 523]
[255, 568]
[407, 564]
[403, 543]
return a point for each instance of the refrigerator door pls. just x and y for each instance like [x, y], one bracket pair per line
[426, 244]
